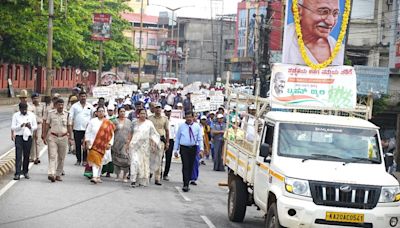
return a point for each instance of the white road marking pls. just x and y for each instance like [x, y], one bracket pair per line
[207, 221]
[183, 195]
[12, 182]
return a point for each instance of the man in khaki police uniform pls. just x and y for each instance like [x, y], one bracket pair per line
[47, 109]
[56, 125]
[38, 110]
[162, 126]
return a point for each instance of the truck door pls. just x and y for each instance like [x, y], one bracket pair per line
[262, 176]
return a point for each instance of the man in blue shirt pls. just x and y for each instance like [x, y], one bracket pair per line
[188, 137]
[217, 132]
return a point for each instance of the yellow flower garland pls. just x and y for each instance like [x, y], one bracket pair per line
[338, 43]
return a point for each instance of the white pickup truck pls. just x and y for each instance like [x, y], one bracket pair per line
[312, 170]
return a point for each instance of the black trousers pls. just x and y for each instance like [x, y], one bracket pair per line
[22, 152]
[188, 156]
[168, 157]
[78, 137]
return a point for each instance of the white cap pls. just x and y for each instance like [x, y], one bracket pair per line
[203, 117]
[179, 92]
[162, 94]
[121, 97]
[139, 91]
[252, 107]
[127, 102]
[220, 116]
[167, 108]
[179, 104]
[111, 107]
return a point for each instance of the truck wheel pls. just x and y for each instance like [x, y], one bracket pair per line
[237, 200]
[272, 219]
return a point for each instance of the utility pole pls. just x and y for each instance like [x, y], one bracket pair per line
[172, 32]
[49, 66]
[264, 66]
[140, 43]
[221, 56]
[100, 68]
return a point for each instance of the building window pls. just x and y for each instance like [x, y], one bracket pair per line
[138, 41]
[151, 57]
[152, 42]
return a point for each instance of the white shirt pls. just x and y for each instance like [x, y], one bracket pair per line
[80, 116]
[291, 53]
[170, 99]
[127, 113]
[174, 124]
[18, 119]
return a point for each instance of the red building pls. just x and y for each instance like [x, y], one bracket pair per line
[34, 78]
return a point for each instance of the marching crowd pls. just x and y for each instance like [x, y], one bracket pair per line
[130, 136]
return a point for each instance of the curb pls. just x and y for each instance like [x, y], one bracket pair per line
[7, 162]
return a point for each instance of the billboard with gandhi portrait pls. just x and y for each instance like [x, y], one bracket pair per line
[314, 32]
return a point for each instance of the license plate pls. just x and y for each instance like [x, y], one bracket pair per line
[344, 217]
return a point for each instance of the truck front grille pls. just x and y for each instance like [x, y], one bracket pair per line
[344, 195]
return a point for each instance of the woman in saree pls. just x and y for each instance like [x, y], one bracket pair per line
[99, 137]
[144, 140]
[120, 153]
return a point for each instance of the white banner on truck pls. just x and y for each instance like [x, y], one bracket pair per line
[294, 86]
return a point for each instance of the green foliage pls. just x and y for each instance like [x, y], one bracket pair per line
[347, 61]
[23, 33]
[380, 104]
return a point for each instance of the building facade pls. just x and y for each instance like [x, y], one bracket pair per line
[251, 16]
[200, 49]
[152, 36]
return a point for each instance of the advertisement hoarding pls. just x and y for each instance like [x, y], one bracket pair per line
[101, 29]
[294, 86]
[320, 24]
[372, 79]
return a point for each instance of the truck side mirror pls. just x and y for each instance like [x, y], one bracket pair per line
[264, 150]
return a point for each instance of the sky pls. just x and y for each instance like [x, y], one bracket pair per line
[199, 9]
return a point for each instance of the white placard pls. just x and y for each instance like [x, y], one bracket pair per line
[202, 106]
[195, 98]
[101, 92]
[294, 86]
[175, 113]
[216, 101]
[145, 85]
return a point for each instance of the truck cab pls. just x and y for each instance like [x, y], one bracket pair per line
[322, 170]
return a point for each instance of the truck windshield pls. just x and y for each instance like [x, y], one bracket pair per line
[318, 142]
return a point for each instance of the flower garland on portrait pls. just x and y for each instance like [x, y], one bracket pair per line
[339, 42]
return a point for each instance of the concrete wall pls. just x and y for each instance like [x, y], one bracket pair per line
[198, 35]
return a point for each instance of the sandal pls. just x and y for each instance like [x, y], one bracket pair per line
[93, 180]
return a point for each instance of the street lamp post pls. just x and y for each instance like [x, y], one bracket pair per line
[172, 30]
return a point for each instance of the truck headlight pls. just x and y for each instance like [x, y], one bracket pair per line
[298, 187]
[390, 194]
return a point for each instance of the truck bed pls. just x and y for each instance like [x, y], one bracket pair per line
[241, 160]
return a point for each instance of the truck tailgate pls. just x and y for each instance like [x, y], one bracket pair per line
[241, 162]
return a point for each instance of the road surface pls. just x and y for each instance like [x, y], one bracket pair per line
[75, 202]
[6, 113]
